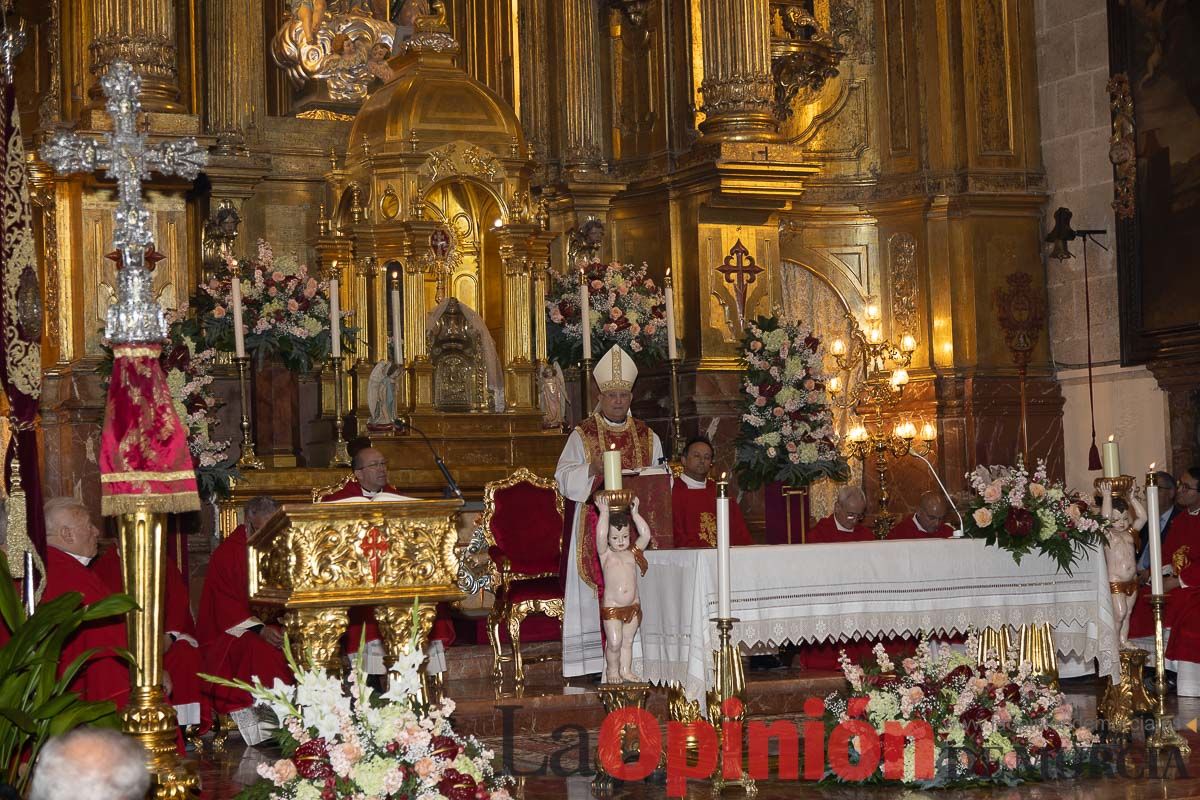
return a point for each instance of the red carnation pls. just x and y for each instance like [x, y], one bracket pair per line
[312, 760]
[457, 786]
[1019, 522]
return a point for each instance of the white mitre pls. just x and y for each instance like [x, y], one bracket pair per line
[616, 370]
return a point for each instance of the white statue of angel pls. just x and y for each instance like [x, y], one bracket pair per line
[381, 395]
[552, 395]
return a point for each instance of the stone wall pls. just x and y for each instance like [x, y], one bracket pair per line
[1072, 37]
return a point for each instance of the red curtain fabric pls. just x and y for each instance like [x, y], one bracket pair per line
[20, 314]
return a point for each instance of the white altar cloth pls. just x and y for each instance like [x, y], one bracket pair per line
[822, 592]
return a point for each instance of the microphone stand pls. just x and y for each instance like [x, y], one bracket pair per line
[402, 425]
[942, 486]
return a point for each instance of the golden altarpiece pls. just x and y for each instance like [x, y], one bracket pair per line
[863, 152]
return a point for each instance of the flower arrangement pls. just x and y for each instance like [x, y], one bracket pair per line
[1022, 514]
[627, 309]
[991, 723]
[786, 431]
[284, 308]
[187, 362]
[344, 740]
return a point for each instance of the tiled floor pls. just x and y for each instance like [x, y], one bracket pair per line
[547, 704]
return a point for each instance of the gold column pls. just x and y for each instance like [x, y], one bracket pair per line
[535, 104]
[738, 89]
[236, 84]
[141, 32]
[584, 123]
[420, 377]
[540, 277]
[360, 295]
[314, 634]
[149, 717]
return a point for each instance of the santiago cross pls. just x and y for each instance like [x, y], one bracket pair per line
[126, 157]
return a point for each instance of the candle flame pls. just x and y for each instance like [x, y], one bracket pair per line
[1110, 437]
[1152, 465]
[723, 474]
[612, 447]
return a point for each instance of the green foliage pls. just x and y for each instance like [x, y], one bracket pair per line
[35, 702]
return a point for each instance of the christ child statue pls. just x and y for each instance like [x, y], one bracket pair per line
[620, 611]
[1120, 554]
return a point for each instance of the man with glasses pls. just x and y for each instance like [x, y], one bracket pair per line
[927, 522]
[694, 502]
[370, 477]
[845, 523]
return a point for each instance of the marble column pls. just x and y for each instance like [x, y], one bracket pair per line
[141, 32]
[738, 90]
[234, 65]
[583, 121]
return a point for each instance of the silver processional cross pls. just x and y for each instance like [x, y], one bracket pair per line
[125, 156]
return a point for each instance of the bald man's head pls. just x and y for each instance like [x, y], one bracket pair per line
[69, 527]
[931, 512]
[851, 507]
[91, 764]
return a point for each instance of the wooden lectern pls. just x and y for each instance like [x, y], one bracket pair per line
[316, 561]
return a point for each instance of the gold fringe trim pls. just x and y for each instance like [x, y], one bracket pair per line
[137, 351]
[162, 503]
[134, 477]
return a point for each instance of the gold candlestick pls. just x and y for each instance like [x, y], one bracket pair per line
[1165, 736]
[730, 684]
[676, 424]
[249, 459]
[341, 453]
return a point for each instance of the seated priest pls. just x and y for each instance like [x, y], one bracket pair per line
[72, 540]
[845, 523]
[694, 502]
[1181, 558]
[237, 645]
[927, 522]
[579, 473]
[181, 653]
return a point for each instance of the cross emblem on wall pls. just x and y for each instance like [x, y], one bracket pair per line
[374, 545]
[739, 268]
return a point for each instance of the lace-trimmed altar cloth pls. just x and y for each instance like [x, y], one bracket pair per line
[823, 592]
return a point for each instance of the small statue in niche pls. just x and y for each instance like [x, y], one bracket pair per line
[552, 395]
[1120, 554]
[381, 396]
[620, 609]
[584, 243]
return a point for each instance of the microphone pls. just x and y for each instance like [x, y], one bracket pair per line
[441, 465]
[958, 534]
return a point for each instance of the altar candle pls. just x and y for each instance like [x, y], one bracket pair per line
[612, 469]
[397, 341]
[723, 610]
[239, 332]
[672, 350]
[335, 318]
[585, 324]
[1112, 459]
[1153, 515]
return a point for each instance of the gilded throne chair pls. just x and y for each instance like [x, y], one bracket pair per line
[523, 524]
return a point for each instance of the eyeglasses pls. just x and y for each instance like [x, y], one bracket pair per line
[375, 465]
[1183, 487]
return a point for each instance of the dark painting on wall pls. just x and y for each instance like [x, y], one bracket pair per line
[1156, 43]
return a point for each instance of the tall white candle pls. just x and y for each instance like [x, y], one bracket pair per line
[585, 324]
[397, 340]
[239, 330]
[612, 469]
[1111, 459]
[672, 349]
[723, 602]
[335, 318]
[1153, 514]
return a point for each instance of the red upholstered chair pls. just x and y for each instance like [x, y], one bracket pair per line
[523, 523]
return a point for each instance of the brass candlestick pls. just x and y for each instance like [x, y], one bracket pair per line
[618, 499]
[730, 685]
[341, 453]
[676, 424]
[1165, 736]
[249, 459]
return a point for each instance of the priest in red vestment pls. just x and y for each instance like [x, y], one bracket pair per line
[845, 523]
[71, 543]
[1181, 552]
[694, 502]
[580, 472]
[927, 522]
[370, 477]
[181, 661]
[236, 644]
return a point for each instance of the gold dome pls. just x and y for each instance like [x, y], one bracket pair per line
[430, 95]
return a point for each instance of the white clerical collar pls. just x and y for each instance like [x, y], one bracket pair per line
[1193, 511]
[85, 560]
[365, 493]
[920, 527]
[692, 483]
[616, 426]
[839, 525]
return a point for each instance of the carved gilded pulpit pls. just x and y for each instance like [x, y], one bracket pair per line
[317, 561]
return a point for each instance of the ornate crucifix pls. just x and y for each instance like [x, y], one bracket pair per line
[126, 156]
[740, 269]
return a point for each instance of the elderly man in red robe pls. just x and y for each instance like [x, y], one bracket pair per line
[181, 659]
[845, 523]
[694, 502]
[580, 472]
[72, 540]
[927, 522]
[237, 645]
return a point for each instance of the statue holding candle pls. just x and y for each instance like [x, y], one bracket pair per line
[1120, 554]
[630, 445]
[620, 609]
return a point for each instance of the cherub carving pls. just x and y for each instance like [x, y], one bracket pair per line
[1120, 554]
[620, 609]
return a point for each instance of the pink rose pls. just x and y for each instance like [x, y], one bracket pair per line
[983, 517]
[635, 329]
[277, 276]
[611, 328]
[993, 492]
[756, 346]
[650, 329]
[616, 313]
[791, 446]
[760, 401]
[649, 284]
[312, 284]
[777, 411]
[425, 767]
[1002, 715]
[293, 306]
[622, 290]
[1037, 490]
[597, 284]
[310, 293]
[1010, 760]
[285, 771]
[556, 316]
[1064, 713]
[1084, 735]
[809, 384]
[219, 311]
[272, 291]
[1073, 511]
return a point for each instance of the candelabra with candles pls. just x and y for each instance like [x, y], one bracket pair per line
[249, 459]
[884, 374]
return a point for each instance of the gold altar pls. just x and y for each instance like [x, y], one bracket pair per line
[316, 561]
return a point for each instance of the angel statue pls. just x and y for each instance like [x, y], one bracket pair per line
[381, 396]
[552, 395]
